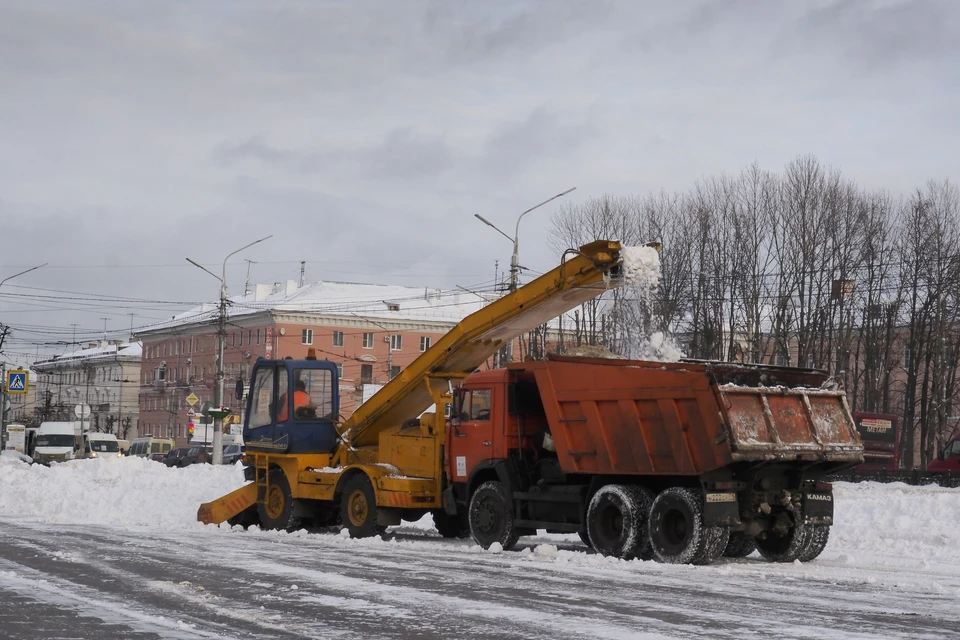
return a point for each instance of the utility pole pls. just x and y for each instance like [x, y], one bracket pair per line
[220, 412]
[303, 267]
[3, 369]
[515, 258]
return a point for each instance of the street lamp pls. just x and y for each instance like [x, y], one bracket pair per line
[221, 345]
[515, 259]
[3, 369]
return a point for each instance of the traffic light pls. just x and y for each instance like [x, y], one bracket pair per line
[190, 429]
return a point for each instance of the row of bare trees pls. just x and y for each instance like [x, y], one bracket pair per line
[803, 268]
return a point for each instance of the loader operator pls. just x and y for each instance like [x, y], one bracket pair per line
[300, 399]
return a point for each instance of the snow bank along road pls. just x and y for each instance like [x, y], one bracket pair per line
[110, 549]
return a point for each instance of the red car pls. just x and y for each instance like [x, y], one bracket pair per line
[948, 459]
[158, 457]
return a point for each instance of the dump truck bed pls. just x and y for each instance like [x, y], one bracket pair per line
[649, 418]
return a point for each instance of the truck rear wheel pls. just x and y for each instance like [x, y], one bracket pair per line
[740, 545]
[617, 522]
[491, 519]
[451, 526]
[817, 537]
[358, 508]
[275, 504]
[677, 532]
[785, 542]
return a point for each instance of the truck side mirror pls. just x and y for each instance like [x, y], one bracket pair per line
[239, 390]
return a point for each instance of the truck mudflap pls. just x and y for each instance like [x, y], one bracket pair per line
[229, 506]
[782, 423]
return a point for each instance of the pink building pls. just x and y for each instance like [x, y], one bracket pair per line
[371, 331]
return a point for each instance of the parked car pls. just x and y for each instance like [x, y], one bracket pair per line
[158, 457]
[233, 453]
[185, 456]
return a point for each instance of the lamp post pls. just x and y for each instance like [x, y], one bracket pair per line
[515, 258]
[3, 368]
[221, 345]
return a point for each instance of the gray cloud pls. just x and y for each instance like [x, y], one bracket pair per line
[365, 134]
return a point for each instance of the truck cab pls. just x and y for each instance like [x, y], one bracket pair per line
[948, 459]
[292, 406]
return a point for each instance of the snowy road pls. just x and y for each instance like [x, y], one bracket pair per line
[112, 549]
[96, 582]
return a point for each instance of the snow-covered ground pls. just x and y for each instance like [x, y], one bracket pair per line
[890, 569]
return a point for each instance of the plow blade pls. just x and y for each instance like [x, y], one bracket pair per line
[229, 506]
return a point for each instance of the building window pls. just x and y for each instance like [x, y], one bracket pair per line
[233, 339]
[241, 339]
[250, 337]
[424, 343]
[258, 336]
[368, 340]
[338, 338]
[366, 373]
[396, 342]
[307, 336]
[339, 369]
[394, 372]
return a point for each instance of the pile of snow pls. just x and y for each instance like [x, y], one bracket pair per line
[128, 491]
[896, 521]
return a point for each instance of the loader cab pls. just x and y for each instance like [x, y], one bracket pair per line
[292, 406]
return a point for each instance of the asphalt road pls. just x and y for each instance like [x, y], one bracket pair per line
[112, 582]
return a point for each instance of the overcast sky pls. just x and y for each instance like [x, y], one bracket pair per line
[364, 135]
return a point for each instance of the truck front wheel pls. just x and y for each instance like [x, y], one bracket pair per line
[677, 532]
[617, 521]
[358, 508]
[275, 504]
[491, 519]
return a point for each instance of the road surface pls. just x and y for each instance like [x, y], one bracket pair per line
[67, 581]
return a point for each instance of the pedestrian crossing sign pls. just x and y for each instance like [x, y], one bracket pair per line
[17, 381]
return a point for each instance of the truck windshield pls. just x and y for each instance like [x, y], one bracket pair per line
[105, 446]
[54, 440]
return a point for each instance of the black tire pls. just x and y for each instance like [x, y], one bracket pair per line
[740, 545]
[451, 526]
[617, 521]
[490, 517]
[358, 508]
[677, 532]
[817, 537]
[275, 505]
[787, 546]
[585, 538]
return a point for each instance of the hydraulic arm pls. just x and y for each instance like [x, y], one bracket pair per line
[591, 269]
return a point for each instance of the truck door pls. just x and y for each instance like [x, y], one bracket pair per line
[261, 408]
[472, 440]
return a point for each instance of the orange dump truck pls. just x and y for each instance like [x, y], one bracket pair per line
[681, 462]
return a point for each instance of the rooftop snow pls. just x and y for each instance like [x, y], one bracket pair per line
[127, 350]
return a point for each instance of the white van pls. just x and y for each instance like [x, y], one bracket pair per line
[56, 442]
[100, 445]
[144, 447]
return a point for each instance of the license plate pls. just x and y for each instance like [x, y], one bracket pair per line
[721, 497]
